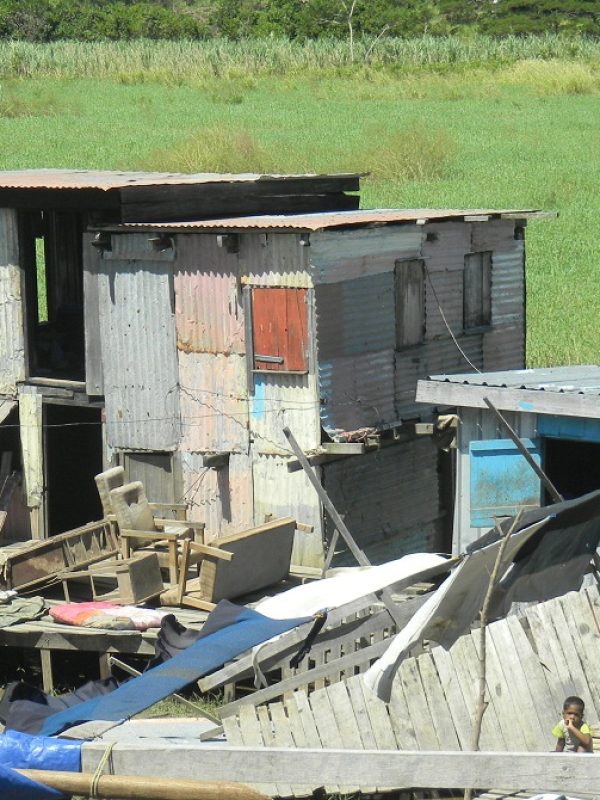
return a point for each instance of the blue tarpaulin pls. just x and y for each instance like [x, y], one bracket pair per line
[245, 629]
[22, 751]
[16, 787]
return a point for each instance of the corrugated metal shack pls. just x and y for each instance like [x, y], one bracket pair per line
[194, 334]
[556, 414]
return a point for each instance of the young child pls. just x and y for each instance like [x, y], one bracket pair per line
[572, 733]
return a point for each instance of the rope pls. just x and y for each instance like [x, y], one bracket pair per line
[99, 770]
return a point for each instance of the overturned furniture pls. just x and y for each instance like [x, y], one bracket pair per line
[29, 565]
[235, 565]
[138, 527]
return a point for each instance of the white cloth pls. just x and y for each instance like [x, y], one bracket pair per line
[334, 592]
[449, 611]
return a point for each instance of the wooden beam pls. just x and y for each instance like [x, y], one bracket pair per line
[387, 769]
[331, 451]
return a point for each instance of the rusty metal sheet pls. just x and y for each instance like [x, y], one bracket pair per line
[389, 500]
[357, 392]
[137, 329]
[214, 402]
[281, 399]
[208, 303]
[221, 498]
[327, 220]
[107, 180]
[280, 493]
[12, 342]
[279, 259]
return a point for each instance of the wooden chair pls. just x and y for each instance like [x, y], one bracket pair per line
[235, 565]
[113, 478]
[138, 527]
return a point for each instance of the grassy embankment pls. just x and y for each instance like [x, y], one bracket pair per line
[438, 123]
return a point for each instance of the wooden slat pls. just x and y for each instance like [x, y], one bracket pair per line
[307, 719]
[491, 733]
[326, 725]
[400, 718]
[282, 737]
[380, 720]
[344, 715]
[418, 707]
[440, 713]
[546, 656]
[517, 681]
[499, 690]
[583, 628]
[251, 733]
[454, 696]
[355, 693]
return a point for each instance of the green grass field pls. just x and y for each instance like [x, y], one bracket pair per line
[497, 134]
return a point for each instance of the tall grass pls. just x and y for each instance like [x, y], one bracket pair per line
[178, 61]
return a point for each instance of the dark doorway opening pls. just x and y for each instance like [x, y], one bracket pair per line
[72, 456]
[572, 466]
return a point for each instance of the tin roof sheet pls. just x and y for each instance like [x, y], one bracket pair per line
[109, 180]
[572, 379]
[328, 220]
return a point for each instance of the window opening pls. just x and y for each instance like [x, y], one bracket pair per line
[410, 302]
[477, 290]
[51, 255]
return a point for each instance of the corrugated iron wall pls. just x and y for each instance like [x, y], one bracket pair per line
[477, 424]
[281, 494]
[390, 499]
[274, 259]
[284, 400]
[221, 498]
[137, 327]
[12, 343]
[365, 380]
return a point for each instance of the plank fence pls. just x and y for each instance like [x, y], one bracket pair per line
[534, 661]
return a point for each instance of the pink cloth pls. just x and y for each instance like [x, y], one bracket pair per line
[102, 614]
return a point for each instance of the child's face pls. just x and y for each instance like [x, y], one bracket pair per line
[573, 714]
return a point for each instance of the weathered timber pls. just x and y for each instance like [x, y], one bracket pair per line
[388, 769]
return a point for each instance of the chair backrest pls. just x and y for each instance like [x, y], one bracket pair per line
[106, 482]
[131, 508]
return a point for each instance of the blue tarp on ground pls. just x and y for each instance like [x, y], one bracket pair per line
[245, 629]
[22, 751]
[16, 787]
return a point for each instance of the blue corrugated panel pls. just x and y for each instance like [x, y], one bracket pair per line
[579, 428]
[502, 481]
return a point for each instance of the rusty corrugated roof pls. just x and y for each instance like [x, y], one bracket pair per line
[336, 219]
[107, 181]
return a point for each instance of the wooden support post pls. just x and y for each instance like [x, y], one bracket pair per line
[47, 677]
[104, 663]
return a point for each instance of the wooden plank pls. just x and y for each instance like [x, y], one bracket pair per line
[536, 680]
[441, 717]
[327, 727]
[400, 719]
[410, 302]
[251, 733]
[282, 737]
[418, 707]
[460, 661]
[381, 724]
[47, 675]
[545, 653]
[344, 715]
[491, 732]
[521, 696]
[544, 610]
[296, 728]
[452, 690]
[499, 692]
[363, 722]
[582, 624]
[569, 647]
[307, 719]
[535, 772]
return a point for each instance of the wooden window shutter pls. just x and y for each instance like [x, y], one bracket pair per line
[410, 302]
[477, 290]
[280, 329]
